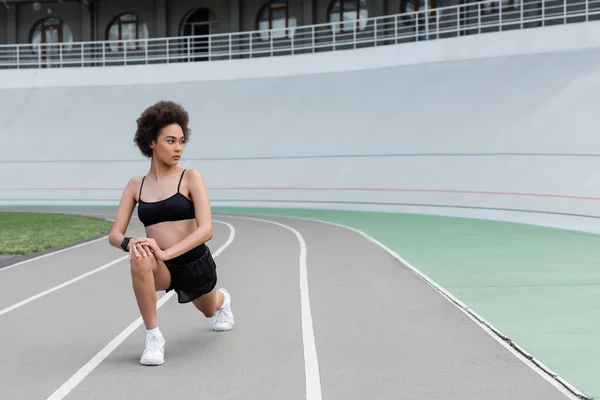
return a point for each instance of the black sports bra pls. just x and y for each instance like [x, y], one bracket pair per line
[175, 208]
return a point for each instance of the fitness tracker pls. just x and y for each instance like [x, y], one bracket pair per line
[125, 243]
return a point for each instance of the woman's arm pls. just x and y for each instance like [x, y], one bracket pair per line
[124, 212]
[199, 193]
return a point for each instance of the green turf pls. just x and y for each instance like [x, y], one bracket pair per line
[23, 233]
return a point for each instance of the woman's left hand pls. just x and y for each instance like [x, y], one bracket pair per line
[159, 253]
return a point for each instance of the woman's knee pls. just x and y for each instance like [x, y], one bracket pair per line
[143, 265]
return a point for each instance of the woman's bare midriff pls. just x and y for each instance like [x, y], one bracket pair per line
[170, 233]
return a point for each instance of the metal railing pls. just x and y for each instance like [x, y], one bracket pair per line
[432, 24]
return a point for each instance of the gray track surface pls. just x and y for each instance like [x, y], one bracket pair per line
[381, 332]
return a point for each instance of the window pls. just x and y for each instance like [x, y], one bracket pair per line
[493, 7]
[51, 31]
[347, 12]
[127, 27]
[408, 6]
[276, 15]
[422, 7]
[199, 23]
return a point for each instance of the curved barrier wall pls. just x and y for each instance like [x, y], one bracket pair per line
[484, 133]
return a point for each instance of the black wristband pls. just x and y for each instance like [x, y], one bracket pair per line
[124, 243]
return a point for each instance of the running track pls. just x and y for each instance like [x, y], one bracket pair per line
[321, 313]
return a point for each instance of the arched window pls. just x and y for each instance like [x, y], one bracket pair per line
[276, 15]
[127, 27]
[422, 8]
[51, 30]
[347, 12]
[408, 6]
[199, 23]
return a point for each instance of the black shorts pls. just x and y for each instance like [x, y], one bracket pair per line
[193, 274]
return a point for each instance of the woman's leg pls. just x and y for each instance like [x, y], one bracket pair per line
[216, 304]
[209, 303]
[149, 275]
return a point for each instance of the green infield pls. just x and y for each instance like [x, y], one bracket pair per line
[23, 233]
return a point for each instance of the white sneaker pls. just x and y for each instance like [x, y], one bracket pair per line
[154, 353]
[223, 319]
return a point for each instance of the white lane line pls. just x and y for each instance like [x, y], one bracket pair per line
[537, 366]
[84, 371]
[67, 283]
[311, 361]
[540, 369]
[52, 253]
[62, 285]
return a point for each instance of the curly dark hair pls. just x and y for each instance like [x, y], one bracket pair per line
[154, 119]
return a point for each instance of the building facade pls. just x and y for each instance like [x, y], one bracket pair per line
[23, 22]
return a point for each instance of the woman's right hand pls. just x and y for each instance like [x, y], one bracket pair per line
[138, 250]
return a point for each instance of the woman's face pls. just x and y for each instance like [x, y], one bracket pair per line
[168, 147]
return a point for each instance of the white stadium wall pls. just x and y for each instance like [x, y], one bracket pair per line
[493, 126]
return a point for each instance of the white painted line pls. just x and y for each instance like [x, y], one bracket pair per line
[486, 326]
[53, 253]
[84, 371]
[62, 285]
[311, 362]
[546, 373]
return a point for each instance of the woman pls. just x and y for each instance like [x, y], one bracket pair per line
[174, 207]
